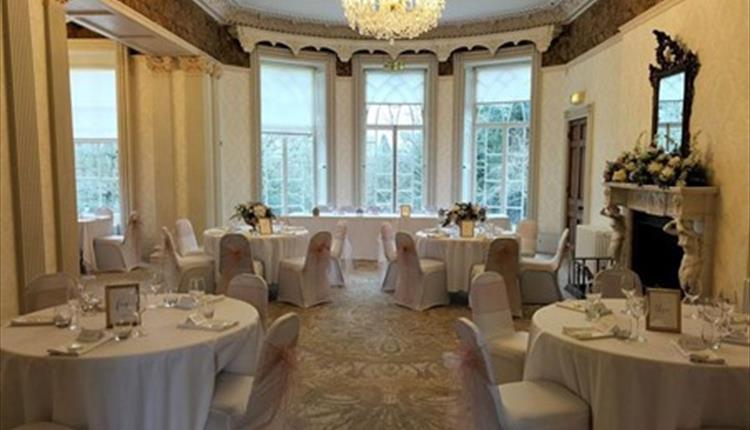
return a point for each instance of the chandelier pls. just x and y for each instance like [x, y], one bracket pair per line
[392, 19]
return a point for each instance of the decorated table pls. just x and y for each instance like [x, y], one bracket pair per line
[633, 385]
[163, 380]
[89, 228]
[286, 242]
[459, 254]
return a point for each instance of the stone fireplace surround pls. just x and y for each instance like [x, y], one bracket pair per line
[692, 209]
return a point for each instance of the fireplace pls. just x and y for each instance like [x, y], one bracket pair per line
[655, 255]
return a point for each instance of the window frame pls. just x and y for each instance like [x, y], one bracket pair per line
[324, 139]
[363, 62]
[464, 130]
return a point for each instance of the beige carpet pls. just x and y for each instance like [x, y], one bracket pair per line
[366, 363]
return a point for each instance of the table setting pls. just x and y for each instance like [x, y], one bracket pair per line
[161, 350]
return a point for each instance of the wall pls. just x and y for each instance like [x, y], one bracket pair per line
[615, 78]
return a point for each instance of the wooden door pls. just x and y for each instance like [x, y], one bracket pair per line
[576, 171]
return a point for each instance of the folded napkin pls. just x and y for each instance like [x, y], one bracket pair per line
[587, 333]
[79, 348]
[706, 356]
[189, 303]
[32, 320]
[580, 306]
[199, 322]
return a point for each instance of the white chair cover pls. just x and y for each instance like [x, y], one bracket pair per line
[251, 289]
[544, 292]
[305, 282]
[259, 402]
[527, 231]
[491, 312]
[388, 241]
[609, 282]
[187, 243]
[47, 291]
[341, 254]
[503, 258]
[179, 270]
[421, 282]
[118, 253]
[525, 405]
[235, 257]
[104, 212]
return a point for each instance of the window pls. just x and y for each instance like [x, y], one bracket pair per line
[94, 102]
[497, 119]
[293, 150]
[394, 153]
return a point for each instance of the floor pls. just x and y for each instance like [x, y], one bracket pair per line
[366, 363]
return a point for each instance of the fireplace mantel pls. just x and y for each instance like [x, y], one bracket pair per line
[691, 203]
[692, 210]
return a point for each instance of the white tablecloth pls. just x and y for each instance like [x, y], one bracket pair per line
[459, 255]
[88, 230]
[632, 385]
[161, 381]
[364, 230]
[269, 249]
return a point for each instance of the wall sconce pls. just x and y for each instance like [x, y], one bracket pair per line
[578, 97]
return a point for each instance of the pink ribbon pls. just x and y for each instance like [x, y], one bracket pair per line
[470, 369]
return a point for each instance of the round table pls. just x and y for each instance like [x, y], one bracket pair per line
[269, 249]
[460, 254]
[164, 380]
[632, 385]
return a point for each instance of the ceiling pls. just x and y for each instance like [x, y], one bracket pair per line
[330, 11]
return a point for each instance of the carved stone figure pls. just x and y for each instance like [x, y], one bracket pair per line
[617, 222]
[690, 241]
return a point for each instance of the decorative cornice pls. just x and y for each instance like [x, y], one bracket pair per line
[229, 13]
[199, 64]
[160, 64]
[344, 48]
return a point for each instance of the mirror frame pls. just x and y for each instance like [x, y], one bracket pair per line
[673, 57]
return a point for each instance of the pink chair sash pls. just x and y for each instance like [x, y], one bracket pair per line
[235, 257]
[409, 285]
[132, 239]
[317, 263]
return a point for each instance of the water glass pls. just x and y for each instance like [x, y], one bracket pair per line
[639, 309]
[74, 308]
[61, 316]
[122, 329]
[208, 310]
[711, 336]
[593, 305]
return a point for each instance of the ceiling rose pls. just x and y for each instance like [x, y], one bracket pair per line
[393, 19]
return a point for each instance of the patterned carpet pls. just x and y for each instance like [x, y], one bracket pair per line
[366, 363]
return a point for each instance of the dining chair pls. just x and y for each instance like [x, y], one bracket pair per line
[525, 404]
[235, 257]
[251, 289]
[609, 282]
[528, 233]
[543, 292]
[47, 291]
[503, 258]
[421, 282]
[187, 243]
[491, 312]
[339, 247]
[258, 402]
[390, 276]
[42, 425]
[179, 270]
[115, 253]
[304, 281]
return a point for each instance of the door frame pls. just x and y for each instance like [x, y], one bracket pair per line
[575, 113]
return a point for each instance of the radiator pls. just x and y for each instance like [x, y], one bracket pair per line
[592, 240]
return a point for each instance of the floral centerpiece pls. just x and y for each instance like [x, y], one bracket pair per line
[463, 212]
[652, 165]
[251, 212]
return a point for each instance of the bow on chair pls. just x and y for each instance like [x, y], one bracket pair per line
[134, 224]
[234, 257]
[281, 375]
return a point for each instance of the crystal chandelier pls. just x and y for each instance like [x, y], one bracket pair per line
[393, 19]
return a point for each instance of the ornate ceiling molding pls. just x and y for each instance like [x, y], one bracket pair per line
[227, 12]
[186, 63]
[344, 48]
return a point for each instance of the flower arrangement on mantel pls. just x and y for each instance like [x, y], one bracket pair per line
[464, 212]
[651, 165]
[251, 212]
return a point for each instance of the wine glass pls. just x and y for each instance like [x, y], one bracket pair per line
[692, 292]
[197, 289]
[627, 286]
[712, 313]
[639, 309]
[593, 303]
[138, 314]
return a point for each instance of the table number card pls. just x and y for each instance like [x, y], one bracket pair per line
[122, 303]
[405, 211]
[664, 310]
[467, 228]
[265, 226]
